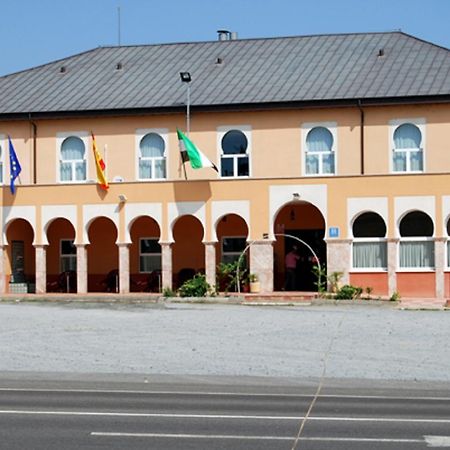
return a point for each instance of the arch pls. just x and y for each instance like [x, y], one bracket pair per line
[50, 213]
[188, 250]
[407, 135]
[319, 139]
[145, 254]
[93, 212]
[416, 224]
[21, 254]
[368, 224]
[280, 196]
[416, 229]
[27, 213]
[232, 234]
[303, 220]
[180, 209]
[102, 255]
[60, 255]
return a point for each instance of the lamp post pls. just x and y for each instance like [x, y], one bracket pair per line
[186, 78]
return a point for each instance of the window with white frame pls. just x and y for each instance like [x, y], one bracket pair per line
[416, 243]
[152, 157]
[320, 150]
[72, 166]
[68, 255]
[407, 148]
[149, 255]
[232, 248]
[234, 158]
[369, 243]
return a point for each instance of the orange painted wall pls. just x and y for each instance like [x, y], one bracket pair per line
[377, 281]
[416, 284]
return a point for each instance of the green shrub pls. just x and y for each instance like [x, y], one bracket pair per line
[227, 275]
[395, 297]
[196, 287]
[168, 292]
[348, 292]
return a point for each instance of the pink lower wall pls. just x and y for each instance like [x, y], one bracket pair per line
[416, 284]
[377, 281]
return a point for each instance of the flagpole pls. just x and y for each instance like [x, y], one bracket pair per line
[186, 78]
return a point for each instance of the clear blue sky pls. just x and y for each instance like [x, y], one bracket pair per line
[35, 32]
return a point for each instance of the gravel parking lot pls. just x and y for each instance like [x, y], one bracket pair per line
[355, 341]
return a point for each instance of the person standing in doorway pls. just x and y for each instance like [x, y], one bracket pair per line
[291, 261]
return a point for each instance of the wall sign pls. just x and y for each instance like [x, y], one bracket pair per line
[333, 232]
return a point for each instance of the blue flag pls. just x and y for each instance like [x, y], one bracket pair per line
[14, 166]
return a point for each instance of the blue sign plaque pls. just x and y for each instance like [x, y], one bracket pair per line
[333, 232]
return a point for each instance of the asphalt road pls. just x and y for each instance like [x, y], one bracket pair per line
[163, 414]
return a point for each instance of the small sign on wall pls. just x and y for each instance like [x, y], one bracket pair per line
[333, 232]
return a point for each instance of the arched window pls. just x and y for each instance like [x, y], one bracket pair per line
[234, 158]
[408, 151]
[416, 244]
[369, 244]
[319, 154]
[152, 157]
[72, 160]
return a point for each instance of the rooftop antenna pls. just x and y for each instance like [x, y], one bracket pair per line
[118, 25]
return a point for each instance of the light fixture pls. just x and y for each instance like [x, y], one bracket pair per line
[185, 77]
[292, 215]
[122, 198]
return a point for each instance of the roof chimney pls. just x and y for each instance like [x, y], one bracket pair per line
[223, 35]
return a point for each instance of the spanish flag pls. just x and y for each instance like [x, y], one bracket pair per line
[100, 166]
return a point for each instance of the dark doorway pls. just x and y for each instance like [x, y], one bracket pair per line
[305, 279]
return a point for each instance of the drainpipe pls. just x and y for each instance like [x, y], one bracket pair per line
[34, 133]
[361, 136]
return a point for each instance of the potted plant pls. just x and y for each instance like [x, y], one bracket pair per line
[254, 282]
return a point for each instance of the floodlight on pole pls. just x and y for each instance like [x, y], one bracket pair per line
[186, 78]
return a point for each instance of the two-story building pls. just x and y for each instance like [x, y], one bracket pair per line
[341, 141]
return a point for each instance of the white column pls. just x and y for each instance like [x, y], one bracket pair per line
[41, 269]
[392, 256]
[166, 265]
[124, 268]
[439, 262]
[339, 257]
[261, 263]
[2, 269]
[82, 269]
[210, 262]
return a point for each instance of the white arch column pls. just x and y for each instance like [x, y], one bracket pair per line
[392, 258]
[82, 285]
[166, 264]
[210, 262]
[339, 257]
[41, 268]
[439, 262]
[124, 268]
[261, 263]
[2, 269]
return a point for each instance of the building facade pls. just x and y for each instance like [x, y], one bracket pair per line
[340, 142]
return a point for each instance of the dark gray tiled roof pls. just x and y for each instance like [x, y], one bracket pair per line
[253, 71]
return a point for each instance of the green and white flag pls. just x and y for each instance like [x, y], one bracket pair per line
[189, 152]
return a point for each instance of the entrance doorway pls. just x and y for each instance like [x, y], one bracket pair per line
[304, 221]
